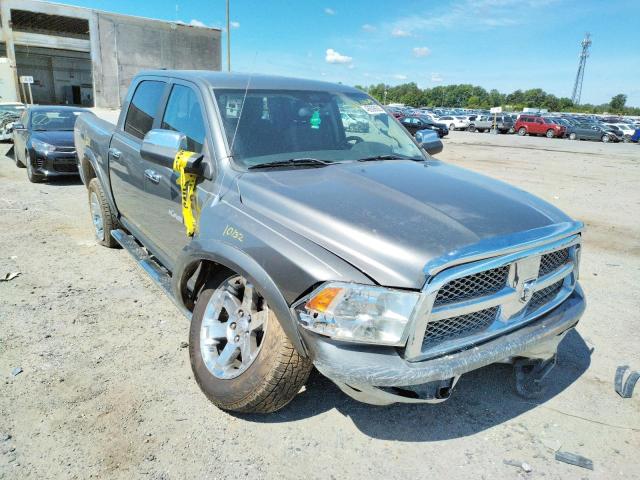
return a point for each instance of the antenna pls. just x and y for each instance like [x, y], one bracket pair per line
[577, 86]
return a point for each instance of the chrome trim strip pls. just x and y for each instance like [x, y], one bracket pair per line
[502, 245]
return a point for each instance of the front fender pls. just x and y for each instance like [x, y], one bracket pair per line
[281, 263]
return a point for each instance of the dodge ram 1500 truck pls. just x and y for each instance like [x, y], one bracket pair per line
[290, 243]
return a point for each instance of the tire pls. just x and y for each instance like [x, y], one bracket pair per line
[31, 175]
[472, 128]
[606, 138]
[19, 163]
[270, 379]
[626, 139]
[550, 133]
[572, 136]
[103, 218]
[452, 127]
[522, 131]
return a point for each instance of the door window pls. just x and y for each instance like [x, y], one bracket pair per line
[143, 108]
[184, 114]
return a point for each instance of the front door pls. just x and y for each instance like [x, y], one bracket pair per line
[184, 113]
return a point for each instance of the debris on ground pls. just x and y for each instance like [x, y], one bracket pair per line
[16, 371]
[4, 437]
[623, 387]
[574, 459]
[184, 344]
[524, 466]
[9, 276]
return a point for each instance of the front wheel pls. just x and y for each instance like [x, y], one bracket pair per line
[31, 174]
[572, 136]
[452, 127]
[240, 355]
[551, 133]
[472, 128]
[522, 131]
[605, 138]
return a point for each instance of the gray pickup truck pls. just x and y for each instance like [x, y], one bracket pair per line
[289, 242]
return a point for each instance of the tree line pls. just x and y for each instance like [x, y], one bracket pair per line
[471, 96]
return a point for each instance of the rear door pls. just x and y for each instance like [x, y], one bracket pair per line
[126, 167]
[20, 136]
[184, 112]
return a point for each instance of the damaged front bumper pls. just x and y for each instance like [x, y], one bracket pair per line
[382, 376]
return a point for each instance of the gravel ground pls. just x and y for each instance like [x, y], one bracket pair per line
[106, 389]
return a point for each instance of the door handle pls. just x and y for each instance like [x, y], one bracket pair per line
[152, 176]
[115, 153]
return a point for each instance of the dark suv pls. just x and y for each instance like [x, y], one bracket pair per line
[415, 124]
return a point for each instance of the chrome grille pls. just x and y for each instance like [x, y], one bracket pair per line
[450, 328]
[544, 296]
[550, 262]
[472, 286]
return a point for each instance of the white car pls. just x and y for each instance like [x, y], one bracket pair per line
[454, 123]
[9, 113]
[625, 127]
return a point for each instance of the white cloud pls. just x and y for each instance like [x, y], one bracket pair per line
[421, 51]
[436, 77]
[399, 76]
[234, 24]
[334, 57]
[368, 27]
[197, 23]
[399, 32]
[329, 11]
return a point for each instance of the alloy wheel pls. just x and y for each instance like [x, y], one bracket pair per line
[96, 216]
[233, 328]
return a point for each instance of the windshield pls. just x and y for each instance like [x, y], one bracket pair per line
[54, 120]
[11, 108]
[280, 125]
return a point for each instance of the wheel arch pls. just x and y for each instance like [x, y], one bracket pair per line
[196, 267]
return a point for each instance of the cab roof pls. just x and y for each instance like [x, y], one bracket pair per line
[239, 81]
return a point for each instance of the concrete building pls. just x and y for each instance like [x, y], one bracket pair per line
[84, 56]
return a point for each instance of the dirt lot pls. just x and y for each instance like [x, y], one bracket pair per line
[107, 392]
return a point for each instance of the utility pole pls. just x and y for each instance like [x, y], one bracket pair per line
[228, 39]
[577, 86]
[384, 102]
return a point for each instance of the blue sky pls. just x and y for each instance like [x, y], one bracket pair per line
[503, 44]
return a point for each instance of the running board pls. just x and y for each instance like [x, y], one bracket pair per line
[158, 274]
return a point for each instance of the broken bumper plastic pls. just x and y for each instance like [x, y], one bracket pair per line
[380, 375]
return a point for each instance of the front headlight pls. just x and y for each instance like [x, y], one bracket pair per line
[41, 146]
[358, 313]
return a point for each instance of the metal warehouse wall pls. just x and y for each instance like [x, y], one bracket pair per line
[129, 45]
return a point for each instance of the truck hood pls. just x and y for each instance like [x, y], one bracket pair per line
[390, 218]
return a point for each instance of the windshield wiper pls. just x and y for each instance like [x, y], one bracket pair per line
[292, 162]
[387, 157]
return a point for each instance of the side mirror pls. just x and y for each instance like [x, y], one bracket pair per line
[429, 141]
[18, 126]
[161, 147]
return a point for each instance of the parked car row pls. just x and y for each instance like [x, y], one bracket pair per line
[571, 126]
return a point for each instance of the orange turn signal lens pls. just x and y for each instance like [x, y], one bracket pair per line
[321, 302]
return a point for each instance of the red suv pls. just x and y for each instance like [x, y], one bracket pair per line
[539, 126]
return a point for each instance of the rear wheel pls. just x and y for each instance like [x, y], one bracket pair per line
[522, 131]
[240, 356]
[472, 128]
[572, 136]
[31, 174]
[550, 133]
[103, 218]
